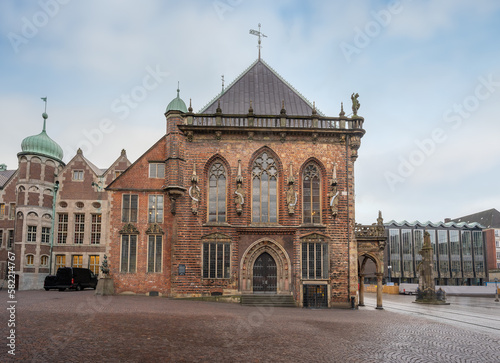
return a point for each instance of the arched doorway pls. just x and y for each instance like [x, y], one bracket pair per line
[265, 260]
[264, 274]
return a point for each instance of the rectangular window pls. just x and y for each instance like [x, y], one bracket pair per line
[45, 235]
[44, 261]
[454, 243]
[216, 260]
[12, 210]
[129, 253]
[77, 261]
[10, 241]
[418, 243]
[129, 207]
[154, 253]
[466, 243]
[432, 234]
[155, 209]
[117, 173]
[314, 260]
[444, 265]
[60, 261]
[77, 174]
[94, 264]
[31, 234]
[79, 228]
[477, 242]
[156, 170]
[30, 260]
[498, 255]
[95, 234]
[1, 238]
[394, 246]
[2, 210]
[407, 252]
[62, 228]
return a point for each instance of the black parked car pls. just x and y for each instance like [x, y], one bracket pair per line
[71, 278]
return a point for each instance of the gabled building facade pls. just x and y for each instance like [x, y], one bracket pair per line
[252, 195]
[43, 186]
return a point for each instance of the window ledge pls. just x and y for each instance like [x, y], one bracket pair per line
[216, 224]
[312, 225]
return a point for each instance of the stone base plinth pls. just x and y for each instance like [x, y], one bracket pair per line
[105, 286]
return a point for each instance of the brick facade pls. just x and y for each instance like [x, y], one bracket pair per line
[189, 150]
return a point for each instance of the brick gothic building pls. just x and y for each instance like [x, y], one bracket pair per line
[253, 194]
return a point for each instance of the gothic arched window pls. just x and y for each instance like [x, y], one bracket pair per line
[217, 193]
[311, 194]
[264, 190]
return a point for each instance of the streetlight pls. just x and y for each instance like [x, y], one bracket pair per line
[496, 289]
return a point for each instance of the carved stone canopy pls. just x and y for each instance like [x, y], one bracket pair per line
[154, 228]
[129, 228]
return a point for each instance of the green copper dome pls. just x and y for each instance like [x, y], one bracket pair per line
[42, 144]
[177, 104]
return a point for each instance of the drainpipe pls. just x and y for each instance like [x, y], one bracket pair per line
[56, 187]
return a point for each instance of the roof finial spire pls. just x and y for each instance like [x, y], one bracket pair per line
[259, 34]
[44, 114]
[178, 88]
[222, 77]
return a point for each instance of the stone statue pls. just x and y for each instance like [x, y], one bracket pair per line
[355, 103]
[239, 198]
[194, 192]
[291, 199]
[334, 200]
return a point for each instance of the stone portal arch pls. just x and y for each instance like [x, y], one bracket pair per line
[283, 266]
[371, 242]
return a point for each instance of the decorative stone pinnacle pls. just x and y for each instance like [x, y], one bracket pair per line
[342, 113]
[190, 109]
[239, 177]
[283, 111]
[314, 112]
[194, 177]
[218, 110]
[291, 179]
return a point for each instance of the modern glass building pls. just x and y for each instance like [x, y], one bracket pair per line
[459, 252]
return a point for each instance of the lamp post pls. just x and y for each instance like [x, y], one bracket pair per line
[56, 187]
[496, 289]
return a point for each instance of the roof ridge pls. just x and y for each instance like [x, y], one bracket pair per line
[242, 74]
[292, 87]
[229, 87]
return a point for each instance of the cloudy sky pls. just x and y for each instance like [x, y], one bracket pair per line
[427, 72]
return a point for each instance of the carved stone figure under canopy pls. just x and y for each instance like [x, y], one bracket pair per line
[239, 198]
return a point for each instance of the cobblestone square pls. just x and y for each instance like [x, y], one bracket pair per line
[72, 326]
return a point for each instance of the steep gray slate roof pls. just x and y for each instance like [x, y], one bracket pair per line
[266, 89]
[5, 175]
[489, 218]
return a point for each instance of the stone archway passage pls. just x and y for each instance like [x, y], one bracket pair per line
[264, 274]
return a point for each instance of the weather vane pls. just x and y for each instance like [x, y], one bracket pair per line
[259, 34]
[222, 77]
[44, 99]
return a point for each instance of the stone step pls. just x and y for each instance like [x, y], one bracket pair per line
[268, 300]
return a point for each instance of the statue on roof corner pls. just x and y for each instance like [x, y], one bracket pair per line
[355, 103]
